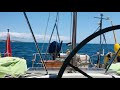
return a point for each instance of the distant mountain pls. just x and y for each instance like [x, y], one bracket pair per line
[11, 41]
[2, 40]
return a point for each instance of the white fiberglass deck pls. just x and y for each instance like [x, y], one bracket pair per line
[52, 73]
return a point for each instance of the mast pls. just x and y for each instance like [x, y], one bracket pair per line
[100, 40]
[100, 51]
[74, 62]
[99, 54]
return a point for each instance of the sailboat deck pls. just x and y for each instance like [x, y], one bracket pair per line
[52, 73]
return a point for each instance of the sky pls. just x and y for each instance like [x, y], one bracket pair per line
[86, 25]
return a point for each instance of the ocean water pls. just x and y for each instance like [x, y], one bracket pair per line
[26, 50]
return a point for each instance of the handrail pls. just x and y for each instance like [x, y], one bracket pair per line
[34, 57]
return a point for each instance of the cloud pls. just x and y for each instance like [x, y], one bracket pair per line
[28, 37]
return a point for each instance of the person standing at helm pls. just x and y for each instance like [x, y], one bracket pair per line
[116, 48]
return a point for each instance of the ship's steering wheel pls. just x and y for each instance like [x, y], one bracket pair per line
[79, 46]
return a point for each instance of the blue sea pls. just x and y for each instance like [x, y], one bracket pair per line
[27, 49]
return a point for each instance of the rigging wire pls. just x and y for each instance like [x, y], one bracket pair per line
[45, 32]
[51, 35]
[113, 30]
[57, 26]
[114, 33]
[56, 48]
[36, 44]
[105, 38]
[101, 43]
[57, 29]
[105, 42]
[97, 29]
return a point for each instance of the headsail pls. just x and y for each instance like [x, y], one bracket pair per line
[8, 52]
